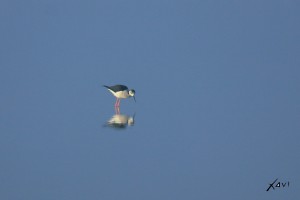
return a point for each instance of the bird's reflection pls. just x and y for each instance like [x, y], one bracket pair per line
[119, 121]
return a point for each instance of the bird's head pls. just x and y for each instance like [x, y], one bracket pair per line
[132, 93]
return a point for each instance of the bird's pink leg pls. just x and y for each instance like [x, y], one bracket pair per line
[116, 104]
[117, 110]
[119, 102]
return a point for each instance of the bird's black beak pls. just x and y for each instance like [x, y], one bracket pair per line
[134, 99]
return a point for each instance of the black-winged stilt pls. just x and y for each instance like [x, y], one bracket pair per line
[120, 92]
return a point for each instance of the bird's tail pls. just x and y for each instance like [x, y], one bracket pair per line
[106, 86]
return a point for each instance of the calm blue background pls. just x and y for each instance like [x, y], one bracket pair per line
[217, 88]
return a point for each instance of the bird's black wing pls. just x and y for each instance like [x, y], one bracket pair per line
[117, 88]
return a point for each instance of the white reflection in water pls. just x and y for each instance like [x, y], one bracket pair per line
[120, 121]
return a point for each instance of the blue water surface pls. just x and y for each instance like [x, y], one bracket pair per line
[217, 89]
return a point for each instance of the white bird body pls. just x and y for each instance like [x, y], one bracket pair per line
[120, 94]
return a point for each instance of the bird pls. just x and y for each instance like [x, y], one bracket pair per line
[120, 92]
